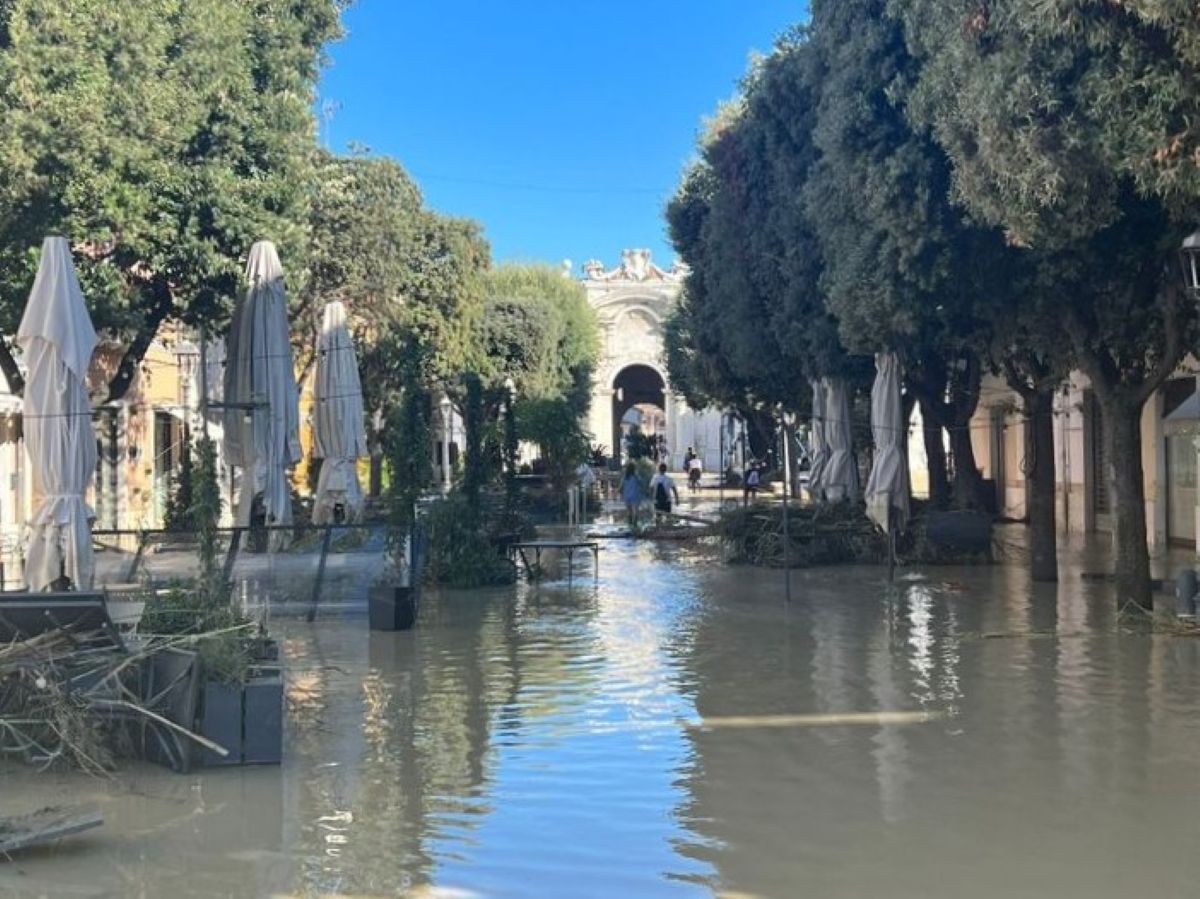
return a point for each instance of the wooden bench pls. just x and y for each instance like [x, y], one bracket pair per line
[533, 571]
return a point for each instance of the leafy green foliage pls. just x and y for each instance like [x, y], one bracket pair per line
[222, 632]
[540, 331]
[163, 138]
[553, 425]
[461, 553]
[1071, 126]
[407, 438]
[638, 445]
[205, 512]
[753, 329]
[411, 279]
[178, 515]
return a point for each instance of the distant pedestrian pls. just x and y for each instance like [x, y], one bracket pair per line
[752, 481]
[631, 494]
[694, 469]
[662, 488]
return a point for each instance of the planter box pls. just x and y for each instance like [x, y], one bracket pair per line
[247, 719]
[392, 608]
[959, 531]
[170, 686]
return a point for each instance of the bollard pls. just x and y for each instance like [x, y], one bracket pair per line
[1185, 593]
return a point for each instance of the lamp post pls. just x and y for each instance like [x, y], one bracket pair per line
[510, 433]
[446, 410]
[1189, 257]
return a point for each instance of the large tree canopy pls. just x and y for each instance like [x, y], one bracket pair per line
[411, 279]
[905, 269]
[540, 331]
[752, 328]
[162, 138]
[1073, 127]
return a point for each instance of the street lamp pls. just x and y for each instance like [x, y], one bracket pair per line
[444, 407]
[1189, 256]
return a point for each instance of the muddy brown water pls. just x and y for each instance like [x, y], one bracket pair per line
[678, 729]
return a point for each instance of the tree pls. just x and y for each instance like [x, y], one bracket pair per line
[905, 270]
[540, 331]
[752, 329]
[411, 279]
[1073, 127]
[164, 138]
[554, 426]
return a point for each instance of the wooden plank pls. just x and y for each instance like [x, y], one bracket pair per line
[45, 826]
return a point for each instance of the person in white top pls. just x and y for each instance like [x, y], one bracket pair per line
[662, 488]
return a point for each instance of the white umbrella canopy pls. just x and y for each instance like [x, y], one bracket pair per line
[820, 449]
[262, 429]
[340, 435]
[840, 478]
[57, 339]
[887, 487]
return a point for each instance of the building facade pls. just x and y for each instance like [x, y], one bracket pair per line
[631, 385]
[1170, 432]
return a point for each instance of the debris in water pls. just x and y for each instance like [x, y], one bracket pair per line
[47, 825]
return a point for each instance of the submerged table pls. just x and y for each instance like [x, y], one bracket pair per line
[533, 571]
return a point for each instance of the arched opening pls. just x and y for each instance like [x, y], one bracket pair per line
[639, 400]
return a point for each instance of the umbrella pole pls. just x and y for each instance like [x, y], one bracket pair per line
[787, 537]
[320, 579]
[891, 520]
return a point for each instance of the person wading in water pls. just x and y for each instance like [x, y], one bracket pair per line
[631, 494]
[662, 488]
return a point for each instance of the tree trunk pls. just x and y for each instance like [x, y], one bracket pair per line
[160, 306]
[935, 453]
[965, 382]
[1123, 437]
[968, 483]
[1040, 483]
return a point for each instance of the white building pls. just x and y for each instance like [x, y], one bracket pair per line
[632, 302]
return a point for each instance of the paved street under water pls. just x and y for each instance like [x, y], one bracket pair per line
[678, 728]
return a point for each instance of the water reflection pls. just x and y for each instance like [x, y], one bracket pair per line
[680, 728]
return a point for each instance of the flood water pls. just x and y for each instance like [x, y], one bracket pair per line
[679, 729]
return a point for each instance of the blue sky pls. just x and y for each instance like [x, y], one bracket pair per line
[561, 125]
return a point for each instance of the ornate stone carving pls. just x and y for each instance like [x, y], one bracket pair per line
[636, 266]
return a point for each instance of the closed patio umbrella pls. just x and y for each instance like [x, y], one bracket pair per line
[57, 339]
[840, 478]
[820, 449]
[340, 435]
[887, 487]
[262, 416]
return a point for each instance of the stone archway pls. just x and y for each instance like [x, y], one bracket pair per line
[633, 386]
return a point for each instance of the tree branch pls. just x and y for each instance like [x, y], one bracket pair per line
[1174, 346]
[160, 307]
[1099, 368]
[10, 369]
